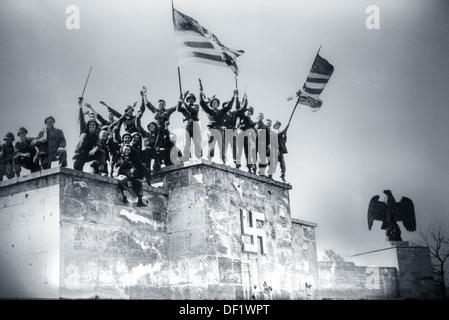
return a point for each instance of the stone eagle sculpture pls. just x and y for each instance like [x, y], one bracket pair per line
[390, 213]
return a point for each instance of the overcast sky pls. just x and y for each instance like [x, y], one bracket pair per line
[383, 123]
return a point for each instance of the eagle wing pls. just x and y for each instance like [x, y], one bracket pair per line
[406, 214]
[376, 211]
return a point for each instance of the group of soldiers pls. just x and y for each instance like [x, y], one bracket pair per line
[122, 148]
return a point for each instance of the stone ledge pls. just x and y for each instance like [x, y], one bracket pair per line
[72, 172]
[226, 168]
[303, 222]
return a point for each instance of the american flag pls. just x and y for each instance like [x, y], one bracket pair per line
[319, 76]
[197, 44]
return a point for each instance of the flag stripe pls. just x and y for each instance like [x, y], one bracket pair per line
[318, 75]
[317, 80]
[188, 36]
[183, 50]
[313, 85]
[192, 44]
[313, 91]
[202, 55]
[196, 43]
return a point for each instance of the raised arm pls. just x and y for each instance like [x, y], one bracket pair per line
[113, 111]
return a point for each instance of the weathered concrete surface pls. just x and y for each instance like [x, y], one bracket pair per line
[209, 232]
[412, 266]
[65, 234]
[207, 256]
[29, 241]
[353, 282]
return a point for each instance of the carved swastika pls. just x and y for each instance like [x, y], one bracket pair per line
[249, 228]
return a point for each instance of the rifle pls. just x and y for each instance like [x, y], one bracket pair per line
[84, 89]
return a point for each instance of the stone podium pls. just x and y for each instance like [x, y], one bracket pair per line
[208, 232]
[413, 268]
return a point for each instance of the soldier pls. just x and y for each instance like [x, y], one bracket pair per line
[7, 157]
[81, 118]
[268, 123]
[136, 143]
[99, 117]
[190, 111]
[126, 171]
[109, 147]
[51, 145]
[142, 171]
[282, 147]
[247, 137]
[25, 153]
[262, 143]
[229, 125]
[128, 119]
[161, 114]
[88, 149]
[153, 141]
[216, 116]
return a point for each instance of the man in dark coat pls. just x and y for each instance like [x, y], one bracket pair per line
[153, 140]
[190, 111]
[161, 114]
[127, 119]
[7, 157]
[216, 128]
[229, 122]
[88, 149]
[25, 153]
[51, 145]
[262, 143]
[247, 137]
[126, 171]
[282, 148]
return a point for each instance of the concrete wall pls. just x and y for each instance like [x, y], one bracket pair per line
[398, 271]
[110, 250]
[209, 207]
[352, 282]
[65, 234]
[29, 237]
[208, 232]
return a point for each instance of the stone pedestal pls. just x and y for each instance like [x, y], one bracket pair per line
[208, 232]
[413, 265]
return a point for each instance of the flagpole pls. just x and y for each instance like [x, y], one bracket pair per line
[179, 81]
[291, 116]
[179, 71]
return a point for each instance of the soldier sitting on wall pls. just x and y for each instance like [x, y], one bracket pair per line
[25, 153]
[7, 157]
[126, 171]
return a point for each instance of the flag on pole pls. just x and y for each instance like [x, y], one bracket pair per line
[319, 76]
[197, 44]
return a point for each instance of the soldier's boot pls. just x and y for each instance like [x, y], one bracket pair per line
[140, 203]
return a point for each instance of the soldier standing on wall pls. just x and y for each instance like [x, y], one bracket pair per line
[216, 116]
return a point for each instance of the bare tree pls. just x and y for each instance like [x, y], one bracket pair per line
[438, 244]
